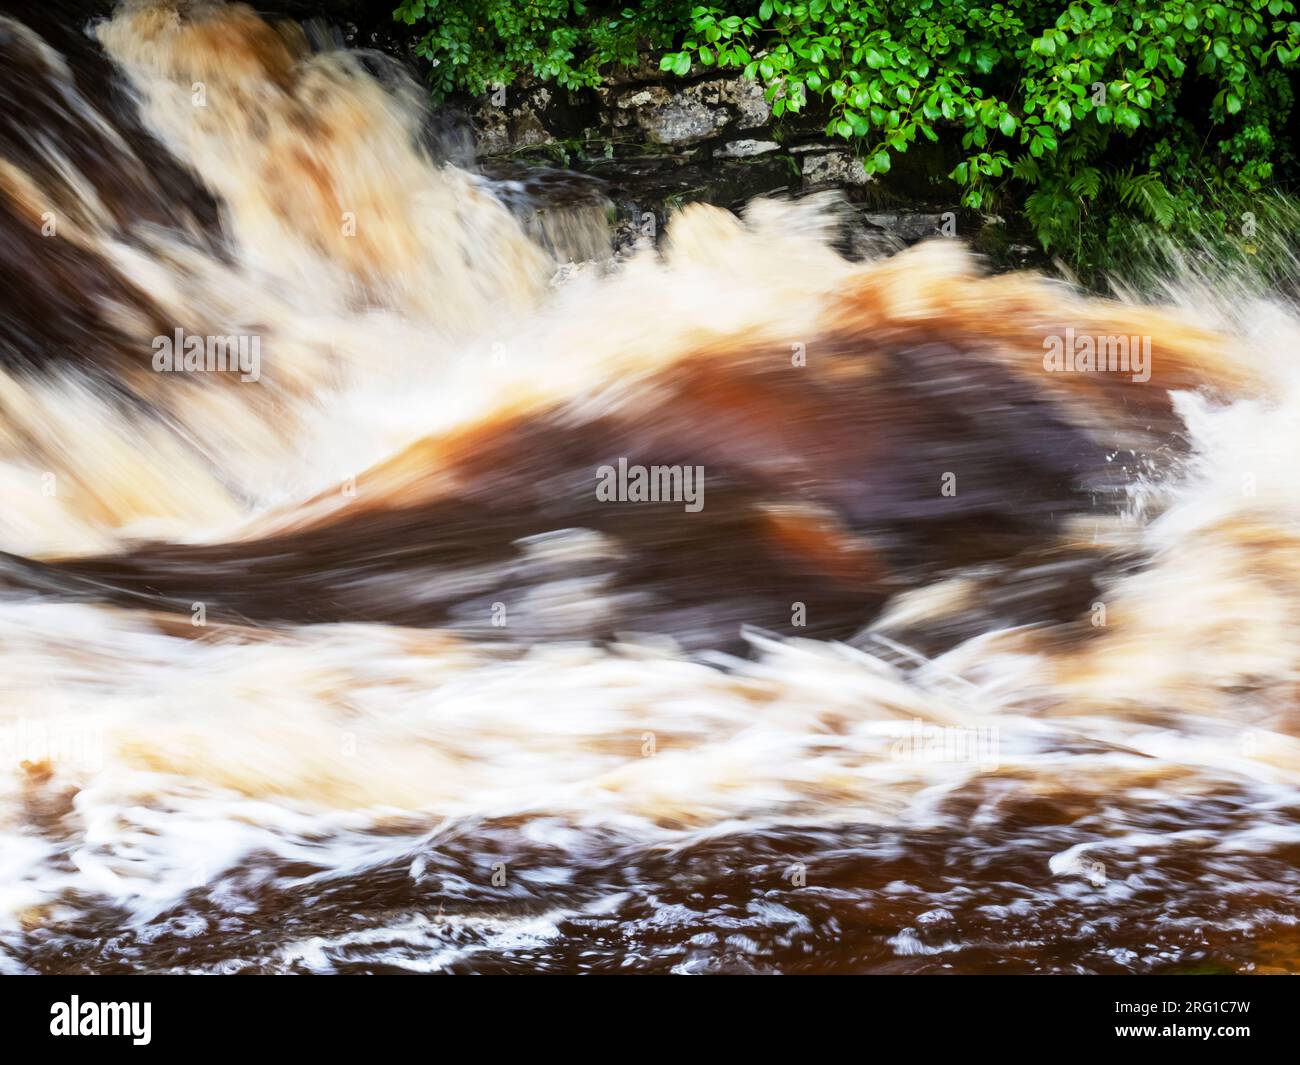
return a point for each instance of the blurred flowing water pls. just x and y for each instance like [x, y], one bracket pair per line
[337, 666]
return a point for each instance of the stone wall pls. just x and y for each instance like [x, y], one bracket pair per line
[658, 141]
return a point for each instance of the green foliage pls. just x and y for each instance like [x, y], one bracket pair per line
[1242, 242]
[1145, 109]
[476, 45]
[1149, 106]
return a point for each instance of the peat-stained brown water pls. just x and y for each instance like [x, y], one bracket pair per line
[340, 660]
[874, 900]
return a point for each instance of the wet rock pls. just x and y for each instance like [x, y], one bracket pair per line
[864, 242]
[749, 101]
[568, 214]
[833, 168]
[993, 240]
[911, 226]
[532, 115]
[673, 119]
[814, 147]
[676, 114]
[745, 149]
[510, 118]
[645, 196]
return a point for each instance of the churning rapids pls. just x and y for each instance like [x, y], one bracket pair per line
[965, 662]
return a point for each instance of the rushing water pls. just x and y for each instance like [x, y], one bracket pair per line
[337, 662]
